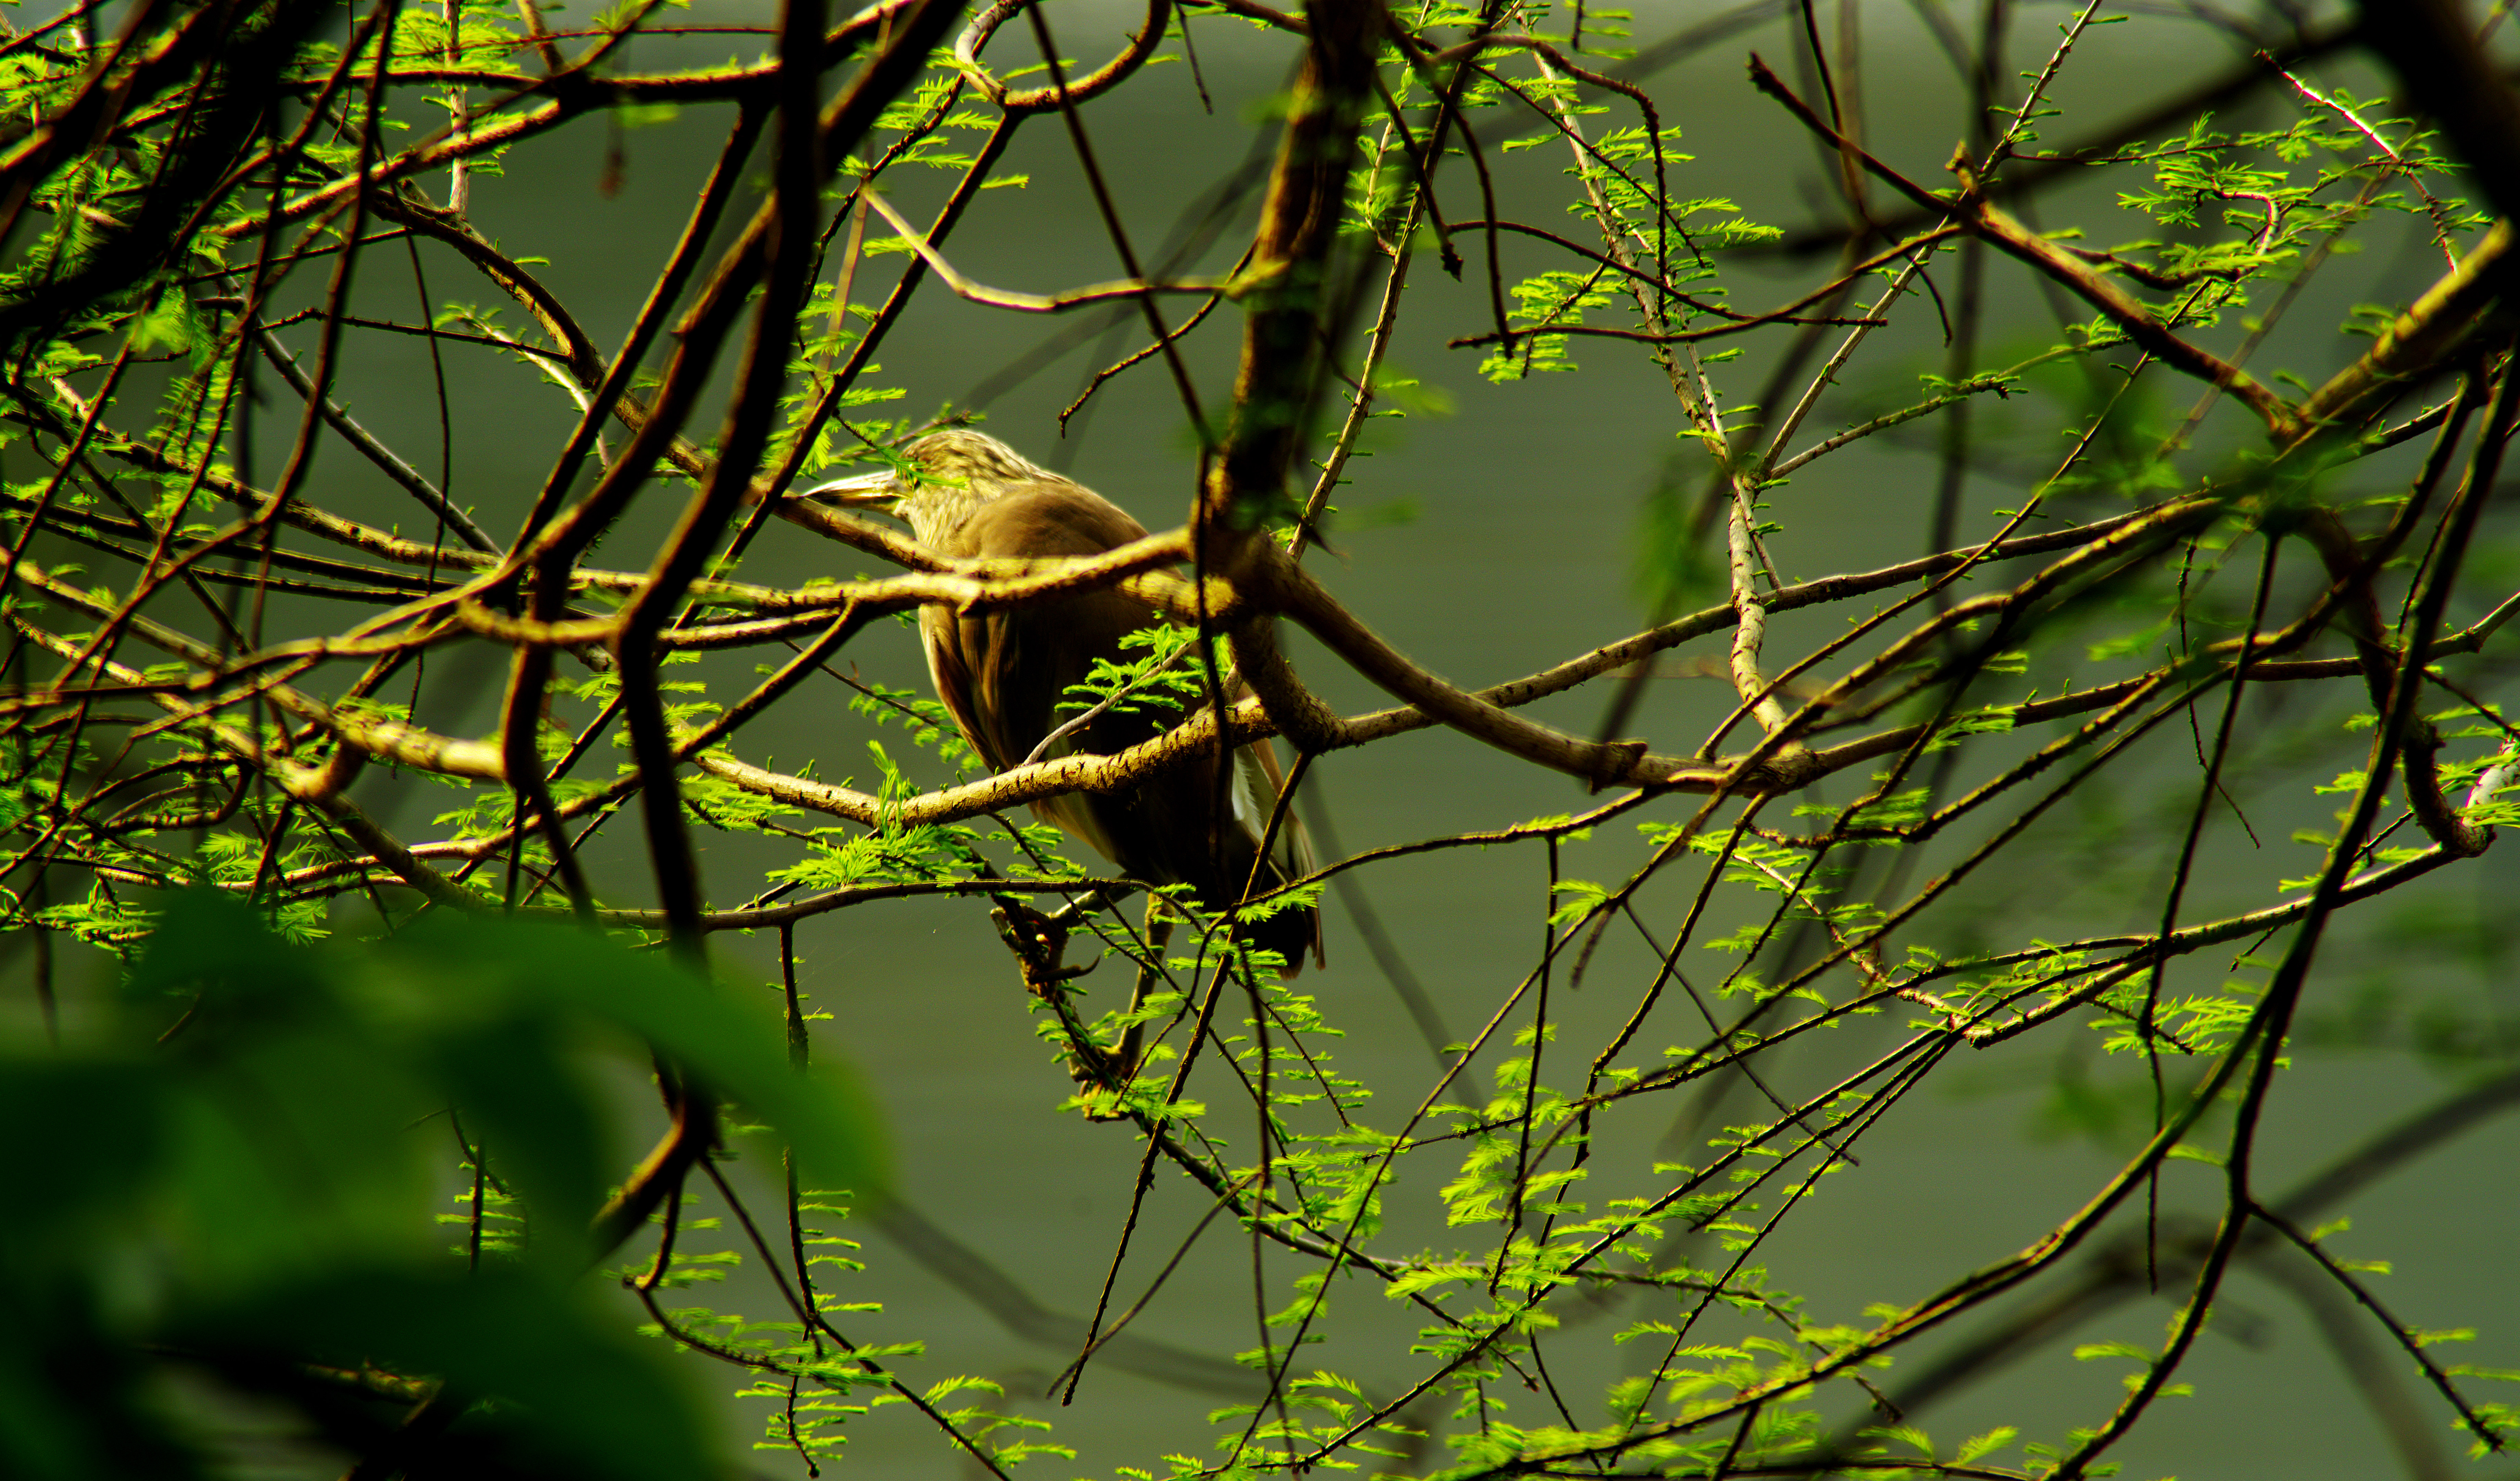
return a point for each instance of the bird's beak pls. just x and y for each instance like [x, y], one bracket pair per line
[880, 491]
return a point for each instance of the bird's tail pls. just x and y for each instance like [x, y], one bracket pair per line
[1294, 931]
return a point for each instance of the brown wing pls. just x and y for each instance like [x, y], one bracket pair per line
[1002, 674]
[951, 671]
[981, 662]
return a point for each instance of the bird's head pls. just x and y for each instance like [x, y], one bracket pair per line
[938, 481]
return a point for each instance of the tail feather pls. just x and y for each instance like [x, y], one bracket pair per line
[1167, 832]
[1294, 932]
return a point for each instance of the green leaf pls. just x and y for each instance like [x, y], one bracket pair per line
[734, 1044]
[577, 1396]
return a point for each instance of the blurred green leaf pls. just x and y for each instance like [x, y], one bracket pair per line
[253, 1190]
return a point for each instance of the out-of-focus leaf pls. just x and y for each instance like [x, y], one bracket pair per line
[523, 1098]
[733, 1043]
[572, 1394]
[256, 1192]
[103, 1135]
[209, 942]
[72, 1391]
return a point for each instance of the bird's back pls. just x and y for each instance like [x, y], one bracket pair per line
[1003, 671]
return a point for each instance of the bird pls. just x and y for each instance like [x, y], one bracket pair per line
[1003, 672]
